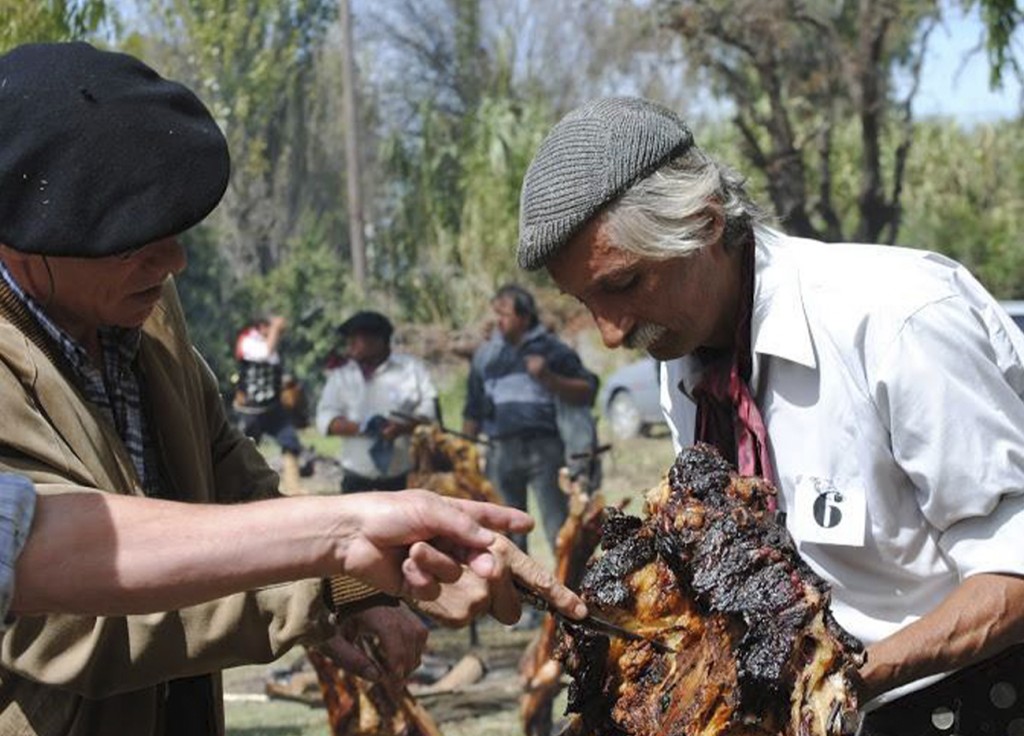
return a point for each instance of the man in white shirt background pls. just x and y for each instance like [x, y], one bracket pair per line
[364, 402]
[879, 388]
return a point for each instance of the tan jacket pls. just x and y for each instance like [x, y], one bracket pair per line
[105, 676]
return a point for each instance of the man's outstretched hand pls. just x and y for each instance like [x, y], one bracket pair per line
[411, 542]
[472, 594]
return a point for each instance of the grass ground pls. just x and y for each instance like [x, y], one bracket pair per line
[631, 467]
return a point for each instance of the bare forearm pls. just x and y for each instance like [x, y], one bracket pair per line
[573, 390]
[106, 554]
[274, 334]
[982, 617]
[343, 427]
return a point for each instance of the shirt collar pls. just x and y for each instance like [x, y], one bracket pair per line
[778, 323]
[531, 334]
[387, 364]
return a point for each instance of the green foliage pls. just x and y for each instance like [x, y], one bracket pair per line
[456, 204]
[1001, 18]
[795, 74]
[965, 198]
[963, 194]
[36, 21]
[452, 397]
[213, 316]
[255, 65]
[311, 288]
[504, 138]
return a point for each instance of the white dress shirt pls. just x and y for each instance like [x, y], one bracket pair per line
[890, 383]
[399, 384]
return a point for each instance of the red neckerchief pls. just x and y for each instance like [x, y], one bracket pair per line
[727, 416]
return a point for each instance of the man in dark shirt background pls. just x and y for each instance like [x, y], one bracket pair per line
[515, 384]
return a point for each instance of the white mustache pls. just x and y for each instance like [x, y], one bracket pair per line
[644, 335]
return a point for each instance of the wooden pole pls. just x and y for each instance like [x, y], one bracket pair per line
[356, 231]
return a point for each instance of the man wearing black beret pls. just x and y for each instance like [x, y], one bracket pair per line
[103, 163]
[360, 399]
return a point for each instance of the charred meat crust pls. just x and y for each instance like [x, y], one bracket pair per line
[756, 644]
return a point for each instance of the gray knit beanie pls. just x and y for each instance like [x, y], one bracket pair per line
[594, 154]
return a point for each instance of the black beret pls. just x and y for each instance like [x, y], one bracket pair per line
[100, 154]
[371, 323]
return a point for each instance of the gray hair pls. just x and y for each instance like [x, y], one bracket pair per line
[665, 215]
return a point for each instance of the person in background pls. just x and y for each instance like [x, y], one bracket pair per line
[104, 163]
[258, 395]
[879, 388]
[515, 383]
[372, 402]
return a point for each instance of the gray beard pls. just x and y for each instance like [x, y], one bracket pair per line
[644, 335]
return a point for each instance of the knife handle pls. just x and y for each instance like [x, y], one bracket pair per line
[532, 598]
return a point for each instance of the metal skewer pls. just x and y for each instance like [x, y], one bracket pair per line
[590, 622]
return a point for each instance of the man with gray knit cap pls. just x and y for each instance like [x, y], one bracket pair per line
[879, 388]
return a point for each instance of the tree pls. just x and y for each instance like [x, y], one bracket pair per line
[50, 20]
[796, 71]
[965, 198]
[1002, 18]
[261, 67]
[440, 74]
[793, 72]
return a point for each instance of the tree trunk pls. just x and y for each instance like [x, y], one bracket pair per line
[357, 242]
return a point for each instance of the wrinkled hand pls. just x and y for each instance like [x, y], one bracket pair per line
[536, 365]
[472, 595]
[410, 542]
[393, 633]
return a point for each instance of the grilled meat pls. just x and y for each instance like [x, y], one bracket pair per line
[449, 465]
[713, 574]
[357, 707]
[539, 668]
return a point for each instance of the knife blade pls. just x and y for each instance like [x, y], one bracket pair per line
[590, 622]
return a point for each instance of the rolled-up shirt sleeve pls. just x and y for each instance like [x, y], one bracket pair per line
[17, 506]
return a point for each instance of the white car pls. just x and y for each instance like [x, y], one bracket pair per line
[629, 399]
[1016, 311]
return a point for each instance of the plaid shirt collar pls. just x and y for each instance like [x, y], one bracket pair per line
[115, 389]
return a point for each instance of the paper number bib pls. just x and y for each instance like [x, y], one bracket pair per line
[826, 514]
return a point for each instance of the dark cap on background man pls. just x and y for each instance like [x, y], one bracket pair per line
[593, 155]
[100, 154]
[367, 322]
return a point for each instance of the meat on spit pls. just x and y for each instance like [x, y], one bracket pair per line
[712, 573]
[539, 668]
[449, 464]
